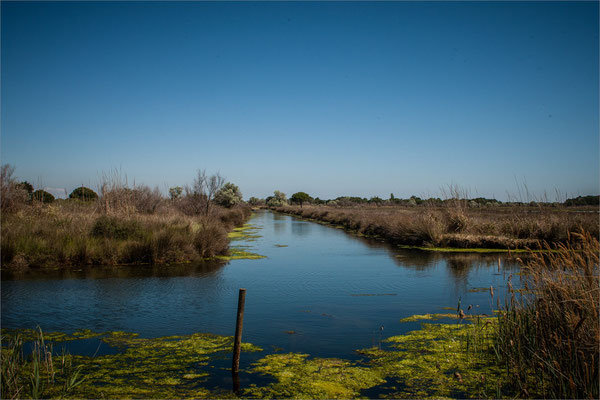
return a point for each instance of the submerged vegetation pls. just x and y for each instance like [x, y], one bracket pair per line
[123, 225]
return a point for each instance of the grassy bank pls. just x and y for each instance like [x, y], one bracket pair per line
[456, 225]
[121, 225]
[74, 233]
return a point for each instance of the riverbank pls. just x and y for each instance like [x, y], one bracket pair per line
[73, 233]
[457, 226]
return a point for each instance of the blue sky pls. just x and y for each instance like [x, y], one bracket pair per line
[328, 98]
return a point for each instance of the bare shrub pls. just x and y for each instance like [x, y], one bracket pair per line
[12, 195]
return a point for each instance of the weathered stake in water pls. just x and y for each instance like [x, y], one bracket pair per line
[238, 332]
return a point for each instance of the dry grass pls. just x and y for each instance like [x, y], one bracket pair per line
[71, 232]
[455, 224]
[549, 340]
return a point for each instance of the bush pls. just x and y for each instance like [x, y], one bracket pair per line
[43, 196]
[116, 228]
[211, 239]
[83, 193]
[277, 200]
[229, 195]
[12, 196]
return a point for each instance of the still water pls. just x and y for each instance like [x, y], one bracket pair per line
[319, 291]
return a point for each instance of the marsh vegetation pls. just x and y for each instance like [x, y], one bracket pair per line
[124, 224]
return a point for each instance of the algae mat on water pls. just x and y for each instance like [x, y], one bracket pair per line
[166, 367]
[437, 360]
[245, 233]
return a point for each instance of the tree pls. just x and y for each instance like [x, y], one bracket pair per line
[43, 196]
[205, 187]
[175, 192]
[26, 186]
[255, 201]
[229, 195]
[279, 199]
[300, 197]
[83, 193]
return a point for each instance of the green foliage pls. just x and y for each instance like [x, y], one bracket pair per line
[277, 200]
[116, 228]
[255, 201]
[583, 201]
[43, 196]
[26, 186]
[229, 195]
[300, 197]
[83, 193]
[376, 200]
[175, 192]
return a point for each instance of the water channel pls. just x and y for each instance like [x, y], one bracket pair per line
[320, 291]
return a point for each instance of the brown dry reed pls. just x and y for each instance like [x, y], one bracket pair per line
[456, 224]
[549, 338]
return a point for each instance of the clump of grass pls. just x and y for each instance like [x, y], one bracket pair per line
[549, 340]
[33, 375]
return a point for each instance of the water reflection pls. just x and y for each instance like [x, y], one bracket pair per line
[205, 268]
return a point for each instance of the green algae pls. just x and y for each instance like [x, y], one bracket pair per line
[247, 232]
[28, 335]
[238, 254]
[166, 367]
[435, 361]
[441, 360]
[298, 376]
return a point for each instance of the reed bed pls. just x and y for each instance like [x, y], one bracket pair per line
[549, 339]
[456, 224]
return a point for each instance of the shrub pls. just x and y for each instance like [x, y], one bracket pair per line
[211, 239]
[83, 193]
[42, 196]
[279, 199]
[11, 194]
[229, 195]
[116, 228]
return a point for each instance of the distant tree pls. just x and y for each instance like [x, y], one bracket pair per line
[255, 201]
[279, 199]
[229, 195]
[583, 201]
[376, 200]
[318, 201]
[300, 198]
[392, 198]
[43, 196]
[175, 192]
[26, 186]
[83, 193]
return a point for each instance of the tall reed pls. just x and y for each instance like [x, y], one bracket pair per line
[549, 338]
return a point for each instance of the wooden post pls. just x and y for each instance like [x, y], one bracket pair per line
[237, 341]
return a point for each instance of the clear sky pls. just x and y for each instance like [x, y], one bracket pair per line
[328, 98]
